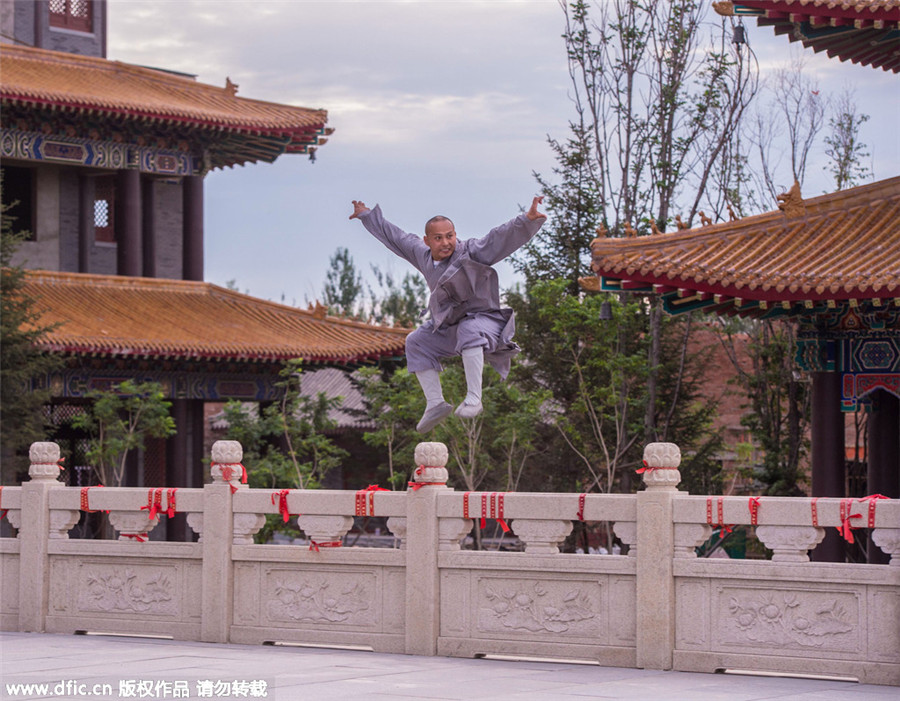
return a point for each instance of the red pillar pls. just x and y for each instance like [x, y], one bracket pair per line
[828, 463]
[192, 223]
[128, 223]
[883, 456]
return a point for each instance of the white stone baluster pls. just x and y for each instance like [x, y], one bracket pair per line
[451, 532]
[689, 536]
[790, 543]
[61, 522]
[325, 528]
[542, 535]
[888, 539]
[246, 526]
[397, 526]
[133, 525]
[626, 531]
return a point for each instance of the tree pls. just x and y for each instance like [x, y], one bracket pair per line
[843, 146]
[778, 400]
[399, 304]
[119, 421]
[23, 366]
[284, 443]
[343, 286]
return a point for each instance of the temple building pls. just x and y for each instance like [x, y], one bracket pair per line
[106, 161]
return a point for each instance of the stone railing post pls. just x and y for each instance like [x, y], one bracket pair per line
[423, 618]
[216, 537]
[34, 535]
[655, 551]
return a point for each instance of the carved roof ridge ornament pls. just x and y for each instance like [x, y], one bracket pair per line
[791, 202]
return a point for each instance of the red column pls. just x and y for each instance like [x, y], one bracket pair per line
[192, 223]
[128, 223]
[828, 464]
[883, 456]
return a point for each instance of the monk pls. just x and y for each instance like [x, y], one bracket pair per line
[465, 317]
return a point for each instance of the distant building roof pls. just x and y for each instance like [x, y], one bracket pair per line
[114, 316]
[236, 129]
[841, 246]
[861, 31]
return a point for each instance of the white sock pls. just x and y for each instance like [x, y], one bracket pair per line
[473, 363]
[430, 380]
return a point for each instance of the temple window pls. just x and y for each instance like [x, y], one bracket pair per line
[105, 210]
[71, 14]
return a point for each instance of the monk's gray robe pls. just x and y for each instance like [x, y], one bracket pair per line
[464, 306]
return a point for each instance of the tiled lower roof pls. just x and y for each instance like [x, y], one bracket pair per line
[114, 316]
[841, 246]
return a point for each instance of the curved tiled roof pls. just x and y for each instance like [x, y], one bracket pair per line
[114, 316]
[861, 31]
[95, 86]
[842, 246]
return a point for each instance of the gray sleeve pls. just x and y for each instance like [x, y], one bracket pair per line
[407, 246]
[505, 239]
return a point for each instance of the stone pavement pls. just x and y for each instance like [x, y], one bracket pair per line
[76, 667]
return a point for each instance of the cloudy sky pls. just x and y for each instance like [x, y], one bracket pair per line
[439, 106]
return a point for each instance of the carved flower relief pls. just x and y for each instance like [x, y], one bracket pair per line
[784, 620]
[125, 590]
[318, 600]
[536, 610]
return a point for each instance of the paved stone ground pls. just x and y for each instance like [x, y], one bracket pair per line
[164, 669]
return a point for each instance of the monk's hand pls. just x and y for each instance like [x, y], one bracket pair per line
[533, 213]
[358, 208]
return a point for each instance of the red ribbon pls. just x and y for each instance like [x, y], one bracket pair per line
[845, 529]
[228, 472]
[154, 502]
[59, 463]
[361, 509]
[815, 512]
[753, 504]
[313, 545]
[282, 503]
[580, 514]
[415, 486]
[495, 500]
[647, 468]
[873, 500]
[726, 528]
[85, 499]
[139, 537]
[170, 501]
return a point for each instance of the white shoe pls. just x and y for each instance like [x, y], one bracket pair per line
[468, 411]
[433, 416]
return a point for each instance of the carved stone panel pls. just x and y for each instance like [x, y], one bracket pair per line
[150, 590]
[543, 608]
[623, 610]
[246, 593]
[782, 620]
[9, 583]
[455, 607]
[884, 624]
[332, 597]
[692, 614]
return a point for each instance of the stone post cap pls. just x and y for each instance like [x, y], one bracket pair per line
[226, 462]
[44, 458]
[431, 459]
[661, 461]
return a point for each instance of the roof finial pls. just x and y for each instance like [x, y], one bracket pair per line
[791, 202]
[231, 88]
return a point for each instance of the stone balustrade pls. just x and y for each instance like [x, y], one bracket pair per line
[658, 606]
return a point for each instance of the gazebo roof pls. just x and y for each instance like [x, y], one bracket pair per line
[816, 252]
[130, 317]
[862, 31]
[235, 129]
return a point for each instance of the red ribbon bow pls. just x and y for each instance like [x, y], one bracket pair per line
[846, 528]
[726, 528]
[228, 472]
[282, 503]
[170, 501]
[154, 502]
[580, 514]
[361, 509]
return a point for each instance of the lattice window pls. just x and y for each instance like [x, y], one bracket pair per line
[105, 210]
[71, 14]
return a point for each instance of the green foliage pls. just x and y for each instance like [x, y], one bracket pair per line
[843, 146]
[22, 364]
[778, 403]
[394, 402]
[285, 446]
[118, 421]
[343, 286]
[395, 303]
